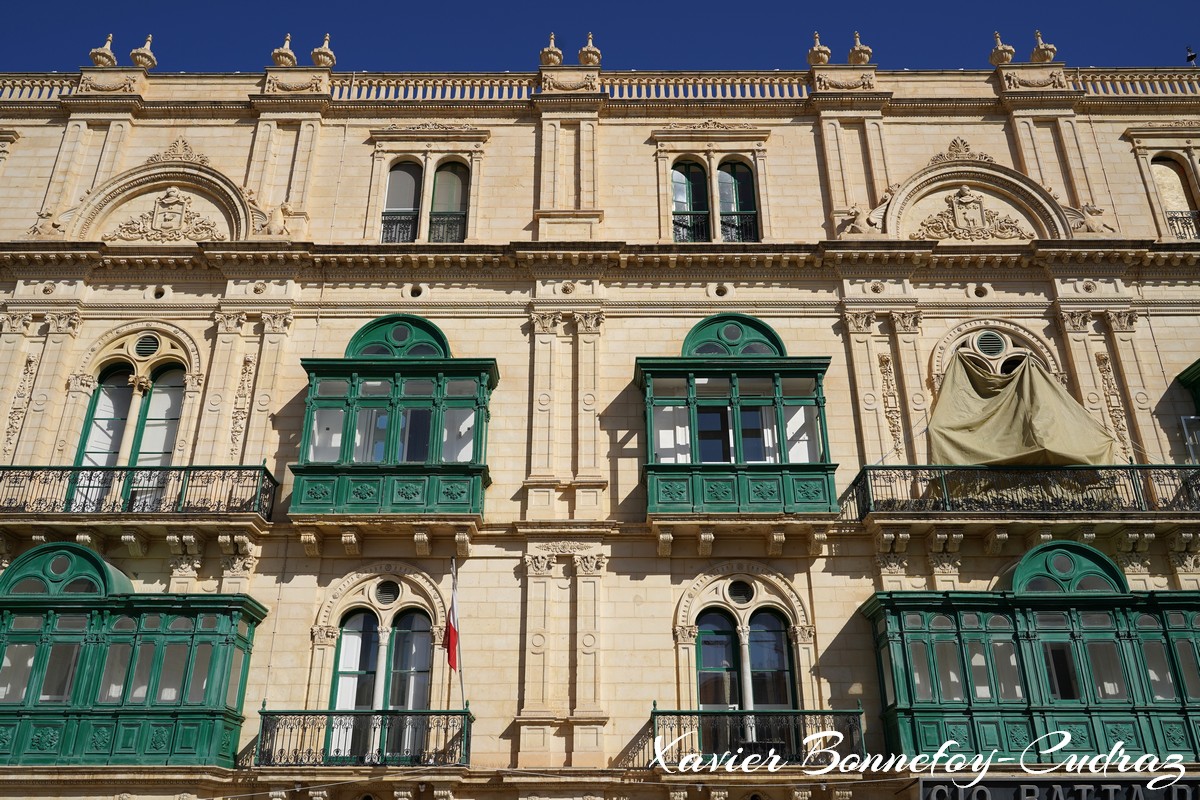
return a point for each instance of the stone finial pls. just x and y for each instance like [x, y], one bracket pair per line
[323, 56]
[1002, 53]
[860, 53]
[283, 56]
[103, 56]
[1042, 52]
[589, 54]
[819, 54]
[551, 56]
[142, 56]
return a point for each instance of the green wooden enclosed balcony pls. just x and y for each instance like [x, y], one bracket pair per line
[711, 734]
[739, 488]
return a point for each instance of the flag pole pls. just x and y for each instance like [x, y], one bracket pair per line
[457, 660]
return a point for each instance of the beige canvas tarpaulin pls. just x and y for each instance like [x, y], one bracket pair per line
[1025, 417]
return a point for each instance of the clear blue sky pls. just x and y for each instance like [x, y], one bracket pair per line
[223, 36]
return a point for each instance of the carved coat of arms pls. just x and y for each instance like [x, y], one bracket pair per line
[967, 220]
[171, 220]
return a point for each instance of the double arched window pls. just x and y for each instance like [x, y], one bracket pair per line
[690, 205]
[403, 215]
[1175, 194]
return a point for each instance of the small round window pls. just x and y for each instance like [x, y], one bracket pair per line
[741, 592]
[59, 566]
[731, 333]
[146, 346]
[400, 333]
[387, 592]
[1062, 564]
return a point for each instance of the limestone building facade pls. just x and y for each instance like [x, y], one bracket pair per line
[654, 360]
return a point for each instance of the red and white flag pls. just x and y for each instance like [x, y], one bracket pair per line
[450, 642]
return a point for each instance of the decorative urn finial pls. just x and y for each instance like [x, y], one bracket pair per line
[819, 54]
[551, 55]
[1042, 52]
[860, 53]
[103, 56]
[323, 56]
[283, 56]
[589, 54]
[1002, 53]
[142, 56]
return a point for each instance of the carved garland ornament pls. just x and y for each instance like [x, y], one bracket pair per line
[824, 82]
[171, 220]
[180, 150]
[313, 84]
[959, 150]
[20, 403]
[1112, 400]
[587, 82]
[87, 84]
[967, 220]
[1055, 80]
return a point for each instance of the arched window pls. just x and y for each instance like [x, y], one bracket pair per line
[410, 663]
[352, 737]
[107, 418]
[996, 351]
[1175, 194]
[739, 214]
[76, 637]
[403, 203]
[448, 217]
[689, 202]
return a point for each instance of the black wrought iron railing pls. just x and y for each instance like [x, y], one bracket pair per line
[796, 737]
[739, 226]
[137, 490]
[399, 226]
[1183, 224]
[691, 226]
[447, 226]
[364, 738]
[1136, 487]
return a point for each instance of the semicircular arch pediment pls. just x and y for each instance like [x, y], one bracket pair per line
[972, 201]
[165, 202]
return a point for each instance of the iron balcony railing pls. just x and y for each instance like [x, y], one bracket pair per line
[1183, 224]
[137, 490]
[691, 226]
[447, 226]
[739, 226]
[399, 226]
[796, 737]
[364, 738]
[1042, 490]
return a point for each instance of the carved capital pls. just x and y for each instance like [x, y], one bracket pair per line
[238, 566]
[192, 381]
[906, 321]
[539, 565]
[324, 635]
[945, 563]
[545, 321]
[229, 322]
[802, 634]
[859, 321]
[277, 322]
[63, 322]
[589, 321]
[81, 382]
[686, 634]
[1075, 321]
[140, 383]
[15, 323]
[184, 566]
[590, 564]
[892, 563]
[1133, 563]
[1122, 321]
[1185, 562]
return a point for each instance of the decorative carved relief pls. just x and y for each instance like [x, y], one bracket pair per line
[1055, 80]
[277, 322]
[589, 321]
[802, 634]
[184, 566]
[859, 321]
[88, 84]
[539, 564]
[1075, 321]
[945, 563]
[229, 322]
[1133, 563]
[81, 382]
[1122, 321]
[823, 82]
[545, 321]
[1112, 400]
[63, 322]
[324, 635]
[709, 125]
[20, 403]
[180, 150]
[959, 150]
[564, 547]
[686, 634]
[316, 83]
[15, 323]
[1087, 219]
[906, 321]
[589, 82]
[892, 563]
[891, 402]
[171, 220]
[967, 220]
[241, 404]
[590, 564]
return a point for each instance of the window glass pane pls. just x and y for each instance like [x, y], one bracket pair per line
[358, 651]
[151, 622]
[375, 388]
[208, 622]
[770, 677]
[370, 435]
[889, 687]
[726, 189]
[758, 435]
[325, 439]
[712, 349]
[1054, 621]
[170, 677]
[1096, 619]
[1060, 670]
[450, 188]
[141, 673]
[414, 435]
[670, 387]
[333, 388]
[969, 620]
[1094, 583]
[997, 622]
[124, 624]
[375, 350]
[107, 426]
[461, 387]
[979, 670]
[1185, 651]
[81, 586]
[1107, 674]
[712, 387]
[30, 585]
[70, 622]
[60, 673]
[412, 648]
[1176, 620]
[715, 435]
[940, 622]
[1008, 674]
[198, 680]
[417, 387]
[914, 621]
[803, 438]
[181, 624]
[1161, 683]
[27, 623]
[235, 678]
[14, 672]
[672, 443]
[756, 387]
[922, 680]
[799, 387]
[949, 666]
[404, 185]
[116, 666]
[458, 435]
[1147, 621]
[161, 420]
